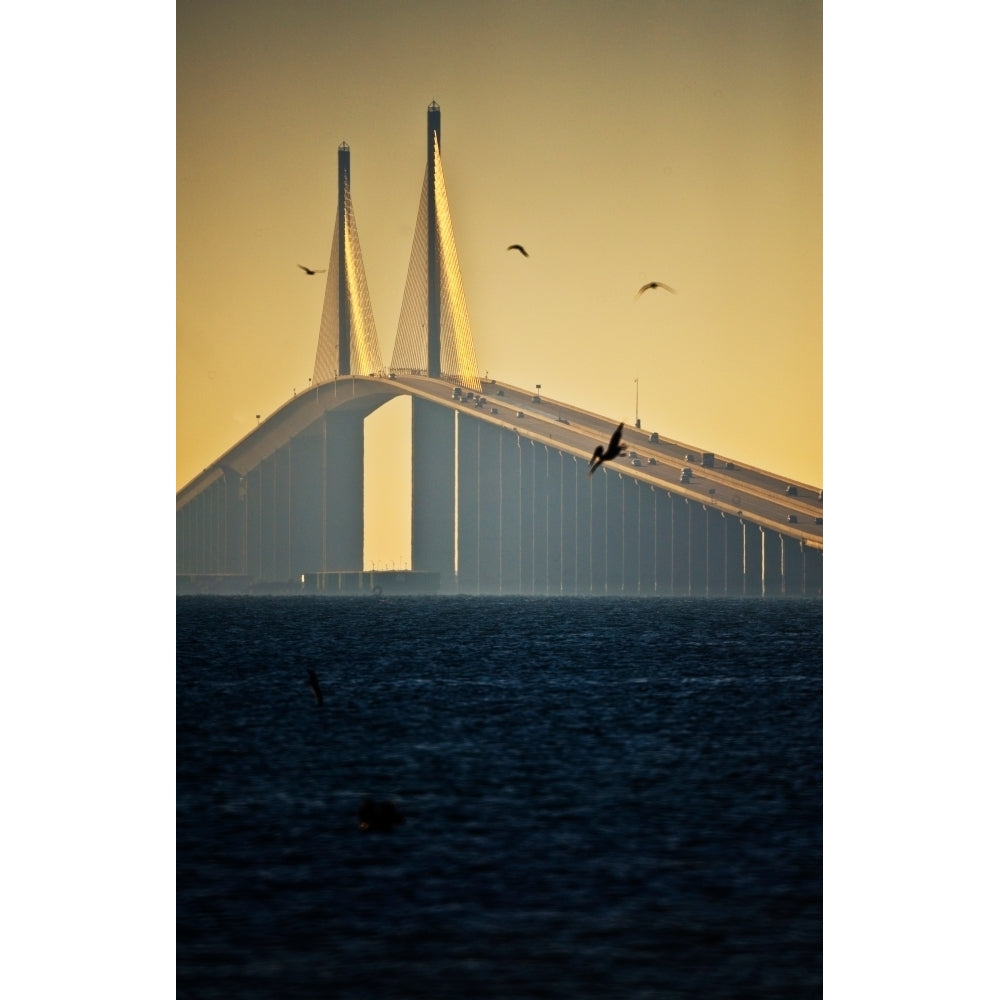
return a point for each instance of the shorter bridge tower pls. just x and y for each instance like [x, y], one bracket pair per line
[348, 342]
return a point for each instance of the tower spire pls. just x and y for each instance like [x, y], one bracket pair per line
[348, 342]
[433, 244]
[434, 336]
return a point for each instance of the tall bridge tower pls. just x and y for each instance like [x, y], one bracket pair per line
[434, 336]
[433, 244]
[348, 342]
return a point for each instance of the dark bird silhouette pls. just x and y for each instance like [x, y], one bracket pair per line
[654, 284]
[313, 683]
[601, 454]
[311, 271]
[517, 246]
[378, 817]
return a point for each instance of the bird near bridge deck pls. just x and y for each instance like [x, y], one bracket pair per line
[601, 454]
[519, 248]
[309, 270]
[655, 284]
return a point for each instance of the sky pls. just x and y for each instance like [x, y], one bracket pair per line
[619, 142]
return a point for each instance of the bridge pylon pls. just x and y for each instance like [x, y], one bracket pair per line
[434, 336]
[348, 342]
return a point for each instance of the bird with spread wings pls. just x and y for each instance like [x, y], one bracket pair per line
[309, 270]
[655, 284]
[616, 446]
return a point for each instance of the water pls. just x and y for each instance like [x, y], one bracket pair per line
[602, 797]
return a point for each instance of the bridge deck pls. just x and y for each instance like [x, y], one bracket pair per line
[755, 495]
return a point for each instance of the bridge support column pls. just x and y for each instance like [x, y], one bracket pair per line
[468, 527]
[194, 544]
[433, 498]
[599, 485]
[715, 552]
[732, 540]
[698, 553]
[480, 512]
[306, 505]
[569, 470]
[630, 535]
[510, 513]
[208, 529]
[791, 566]
[540, 503]
[647, 539]
[753, 559]
[202, 521]
[187, 538]
[234, 512]
[772, 578]
[583, 534]
[663, 513]
[255, 523]
[344, 485]
[615, 532]
[682, 546]
[527, 463]
[553, 520]
[182, 521]
[268, 564]
[812, 571]
[283, 515]
[490, 509]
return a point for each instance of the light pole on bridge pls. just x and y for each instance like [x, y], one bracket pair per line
[637, 423]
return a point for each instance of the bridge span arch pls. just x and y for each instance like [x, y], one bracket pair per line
[501, 502]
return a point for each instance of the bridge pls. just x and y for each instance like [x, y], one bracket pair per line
[501, 501]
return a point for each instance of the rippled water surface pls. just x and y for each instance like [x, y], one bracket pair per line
[602, 797]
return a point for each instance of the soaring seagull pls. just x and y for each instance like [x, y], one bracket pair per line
[517, 246]
[654, 284]
[310, 271]
[615, 447]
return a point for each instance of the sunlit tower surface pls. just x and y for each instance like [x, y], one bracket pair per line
[348, 342]
[433, 246]
[434, 336]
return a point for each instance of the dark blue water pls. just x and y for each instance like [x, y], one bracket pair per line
[602, 797]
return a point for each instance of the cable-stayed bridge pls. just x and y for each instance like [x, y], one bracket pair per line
[501, 497]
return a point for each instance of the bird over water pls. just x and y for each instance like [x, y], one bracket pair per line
[313, 682]
[655, 284]
[601, 454]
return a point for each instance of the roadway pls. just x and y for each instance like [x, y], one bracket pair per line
[729, 485]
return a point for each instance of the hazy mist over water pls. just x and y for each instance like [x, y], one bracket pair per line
[602, 797]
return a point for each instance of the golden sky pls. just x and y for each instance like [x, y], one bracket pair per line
[619, 142]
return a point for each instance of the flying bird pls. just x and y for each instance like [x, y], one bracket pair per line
[310, 271]
[313, 683]
[517, 246]
[655, 284]
[615, 447]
